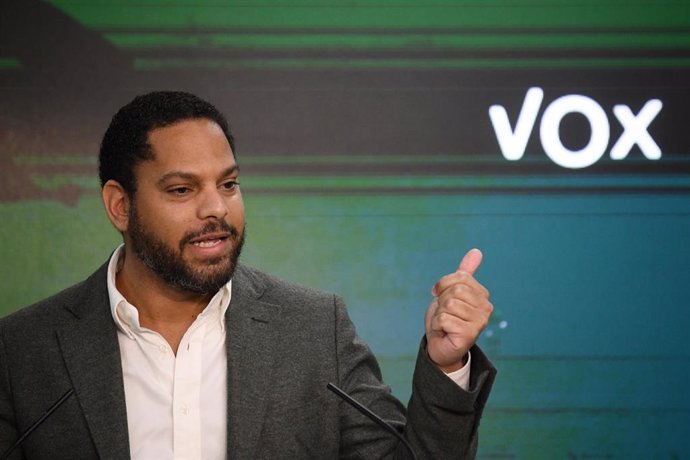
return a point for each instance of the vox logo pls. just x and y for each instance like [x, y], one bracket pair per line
[513, 140]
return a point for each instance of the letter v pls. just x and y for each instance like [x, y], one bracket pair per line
[514, 143]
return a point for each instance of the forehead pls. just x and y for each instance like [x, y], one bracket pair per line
[190, 144]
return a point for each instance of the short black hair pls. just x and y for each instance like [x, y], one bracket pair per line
[125, 142]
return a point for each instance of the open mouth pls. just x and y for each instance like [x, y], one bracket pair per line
[211, 240]
[208, 243]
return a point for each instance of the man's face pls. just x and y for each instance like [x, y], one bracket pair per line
[186, 219]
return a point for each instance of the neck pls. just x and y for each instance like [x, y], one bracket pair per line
[162, 308]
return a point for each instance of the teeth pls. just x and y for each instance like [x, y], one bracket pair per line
[206, 243]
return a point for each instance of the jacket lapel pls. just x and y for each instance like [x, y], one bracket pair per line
[252, 335]
[92, 356]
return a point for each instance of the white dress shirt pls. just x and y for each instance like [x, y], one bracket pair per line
[176, 405]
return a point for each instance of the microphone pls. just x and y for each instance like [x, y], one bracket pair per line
[38, 423]
[372, 416]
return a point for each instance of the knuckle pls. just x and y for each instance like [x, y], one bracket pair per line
[442, 318]
[453, 304]
[458, 289]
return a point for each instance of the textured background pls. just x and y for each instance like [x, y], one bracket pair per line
[370, 166]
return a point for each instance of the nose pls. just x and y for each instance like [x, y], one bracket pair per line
[212, 204]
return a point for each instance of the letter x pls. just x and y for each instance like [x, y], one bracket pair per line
[635, 130]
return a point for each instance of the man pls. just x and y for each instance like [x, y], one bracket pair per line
[173, 350]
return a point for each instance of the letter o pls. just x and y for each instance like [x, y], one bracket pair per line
[550, 138]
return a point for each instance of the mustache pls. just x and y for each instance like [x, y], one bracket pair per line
[211, 227]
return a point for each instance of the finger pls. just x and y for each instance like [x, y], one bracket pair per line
[471, 262]
[459, 279]
[445, 322]
[430, 311]
[469, 265]
[474, 295]
[465, 311]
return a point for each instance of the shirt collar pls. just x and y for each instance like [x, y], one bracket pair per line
[126, 316]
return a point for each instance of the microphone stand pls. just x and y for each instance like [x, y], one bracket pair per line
[37, 423]
[372, 416]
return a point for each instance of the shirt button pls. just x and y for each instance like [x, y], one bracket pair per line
[183, 410]
[163, 349]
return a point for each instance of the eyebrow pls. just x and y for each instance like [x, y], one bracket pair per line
[193, 177]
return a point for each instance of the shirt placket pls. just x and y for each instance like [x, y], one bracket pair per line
[186, 395]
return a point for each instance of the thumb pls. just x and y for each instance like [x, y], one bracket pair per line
[471, 262]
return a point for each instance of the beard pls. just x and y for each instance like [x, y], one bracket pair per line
[168, 263]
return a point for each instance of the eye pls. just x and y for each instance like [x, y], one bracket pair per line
[179, 190]
[229, 185]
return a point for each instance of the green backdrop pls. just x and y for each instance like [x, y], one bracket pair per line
[370, 166]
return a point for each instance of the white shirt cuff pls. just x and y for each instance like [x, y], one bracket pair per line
[462, 376]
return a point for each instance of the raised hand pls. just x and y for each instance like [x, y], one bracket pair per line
[458, 314]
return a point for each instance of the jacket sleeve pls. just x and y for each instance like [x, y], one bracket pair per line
[441, 420]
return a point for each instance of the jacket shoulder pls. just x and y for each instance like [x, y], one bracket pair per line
[53, 308]
[271, 288]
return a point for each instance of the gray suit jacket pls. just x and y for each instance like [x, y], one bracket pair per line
[302, 338]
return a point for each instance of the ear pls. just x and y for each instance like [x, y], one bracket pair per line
[116, 203]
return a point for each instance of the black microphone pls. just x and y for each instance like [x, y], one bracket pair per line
[37, 423]
[372, 416]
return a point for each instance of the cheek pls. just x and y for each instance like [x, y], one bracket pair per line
[169, 224]
[236, 212]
